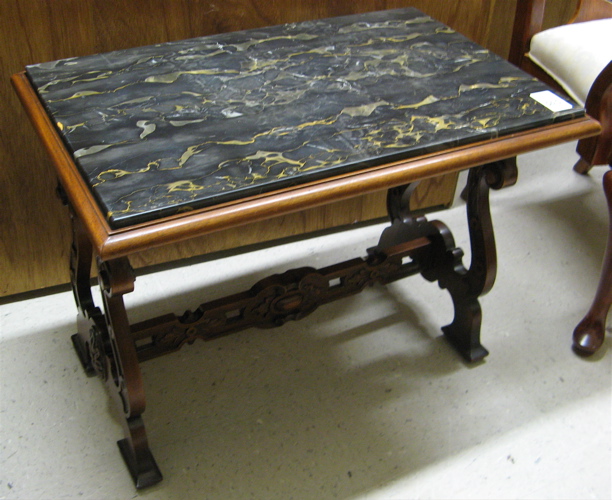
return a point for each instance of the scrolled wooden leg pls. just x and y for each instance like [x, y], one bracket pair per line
[466, 287]
[105, 347]
[442, 261]
[89, 316]
[121, 371]
[589, 334]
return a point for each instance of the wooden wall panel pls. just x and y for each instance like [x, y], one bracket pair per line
[34, 230]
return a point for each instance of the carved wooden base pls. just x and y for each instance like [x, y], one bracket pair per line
[109, 346]
[277, 299]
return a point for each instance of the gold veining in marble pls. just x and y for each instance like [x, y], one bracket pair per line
[166, 128]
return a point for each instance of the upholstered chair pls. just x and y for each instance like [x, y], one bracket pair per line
[577, 59]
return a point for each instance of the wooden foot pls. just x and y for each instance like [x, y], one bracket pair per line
[82, 351]
[138, 459]
[589, 335]
[582, 166]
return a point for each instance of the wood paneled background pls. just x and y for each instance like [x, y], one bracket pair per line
[34, 229]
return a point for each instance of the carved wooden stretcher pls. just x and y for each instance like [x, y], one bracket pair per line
[406, 97]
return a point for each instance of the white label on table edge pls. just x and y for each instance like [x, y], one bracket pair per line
[551, 101]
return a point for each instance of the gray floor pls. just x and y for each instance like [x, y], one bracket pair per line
[362, 400]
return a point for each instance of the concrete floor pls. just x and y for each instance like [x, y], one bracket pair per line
[362, 400]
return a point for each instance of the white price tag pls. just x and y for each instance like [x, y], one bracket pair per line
[551, 101]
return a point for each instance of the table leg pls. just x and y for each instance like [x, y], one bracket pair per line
[442, 262]
[90, 319]
[106, 348]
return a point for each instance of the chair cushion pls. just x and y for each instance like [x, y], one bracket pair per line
[574, 54]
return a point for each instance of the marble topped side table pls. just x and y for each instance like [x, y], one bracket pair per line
[159, 144]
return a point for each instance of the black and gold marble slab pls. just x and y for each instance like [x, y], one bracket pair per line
[166, 128]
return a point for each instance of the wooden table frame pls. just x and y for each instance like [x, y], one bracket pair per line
[112, 348]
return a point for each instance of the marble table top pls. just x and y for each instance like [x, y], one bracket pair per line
[178, 126]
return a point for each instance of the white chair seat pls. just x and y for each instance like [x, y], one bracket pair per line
[573, 55]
